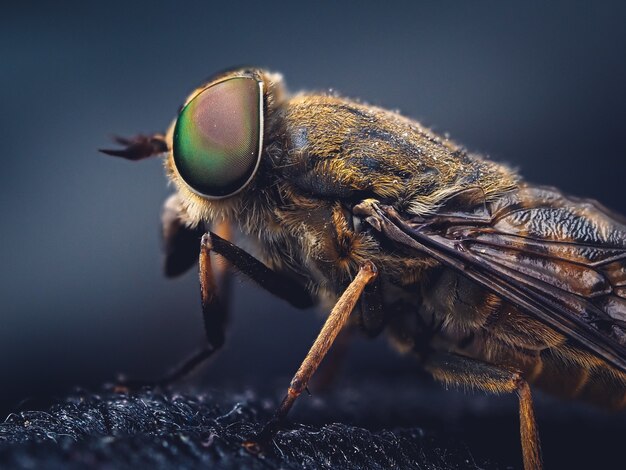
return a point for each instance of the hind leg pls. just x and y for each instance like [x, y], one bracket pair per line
[458, 370]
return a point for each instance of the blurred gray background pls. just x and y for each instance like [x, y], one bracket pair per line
[542, 88]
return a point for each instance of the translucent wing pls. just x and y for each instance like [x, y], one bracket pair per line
[559, 259]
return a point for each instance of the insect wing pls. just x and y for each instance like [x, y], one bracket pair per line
[560, 260]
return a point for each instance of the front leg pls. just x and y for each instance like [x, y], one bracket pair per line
[275, 283]
[214, 314]
[215, 307]
[457, 370]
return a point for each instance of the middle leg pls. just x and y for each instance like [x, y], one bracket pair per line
[333, 325]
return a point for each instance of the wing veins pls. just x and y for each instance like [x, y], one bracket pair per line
[532, 299]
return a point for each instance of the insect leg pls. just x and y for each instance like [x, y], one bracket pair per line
[214, 314]
[270, 280]
[181, 239]
[370, 320]
[215, 307]
[333, 325]
[329, 370]
[457, 370]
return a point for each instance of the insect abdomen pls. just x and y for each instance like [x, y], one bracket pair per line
[480, 325]
[573, 373]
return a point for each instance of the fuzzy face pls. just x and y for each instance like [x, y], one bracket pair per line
[320, 156]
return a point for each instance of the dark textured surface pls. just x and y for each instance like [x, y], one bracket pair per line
[398, 421]
[148, 429]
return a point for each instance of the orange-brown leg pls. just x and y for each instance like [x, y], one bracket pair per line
[215, 300]
[223, 230]
[528, 427]
[469, 373]
[333, 325]
[330, 368]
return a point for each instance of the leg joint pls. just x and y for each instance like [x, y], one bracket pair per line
[207, 241]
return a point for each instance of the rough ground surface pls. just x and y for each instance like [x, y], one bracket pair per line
[154, 430]
[378, 430]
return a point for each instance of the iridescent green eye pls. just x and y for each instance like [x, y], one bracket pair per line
[217, 138]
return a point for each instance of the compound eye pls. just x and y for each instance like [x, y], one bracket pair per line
[217, 138]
